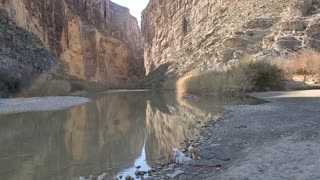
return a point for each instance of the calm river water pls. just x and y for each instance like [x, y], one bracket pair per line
[114, 133]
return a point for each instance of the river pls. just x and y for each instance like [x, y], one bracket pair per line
[113, 133]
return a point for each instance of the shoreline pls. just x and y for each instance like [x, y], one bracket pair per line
[48, 103]
[274, 140]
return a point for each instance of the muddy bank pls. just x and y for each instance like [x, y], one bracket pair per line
[17, 105]
[275, 140]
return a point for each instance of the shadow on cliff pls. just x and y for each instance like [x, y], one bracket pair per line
[156, 77]
[23, 58]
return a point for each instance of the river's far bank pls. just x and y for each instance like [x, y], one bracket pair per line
[275, 140]
[50, 103]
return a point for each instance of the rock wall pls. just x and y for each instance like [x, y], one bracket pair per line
[22, 57]
[198, 35]
[97, 40]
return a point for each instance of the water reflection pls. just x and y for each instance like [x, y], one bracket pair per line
[113, 133]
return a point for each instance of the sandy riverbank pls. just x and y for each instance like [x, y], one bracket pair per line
[274, 141]
[18, 105]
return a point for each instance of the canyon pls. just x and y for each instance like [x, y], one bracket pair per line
[97, 41]
[183, 37]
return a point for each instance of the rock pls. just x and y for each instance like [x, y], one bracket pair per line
[293, 25]
[169, 169]
[262, 22]
[255, 34]
[300, 7]
[81, 93]
[313, 32]
[129, 178]
[238, 54]
[241, 127]
[102, 176]
[138, 167]
[189, 39]
[96, 40]
[233, 42]
[288, 42]
[140, 173]
[91, 177]
[175, 174]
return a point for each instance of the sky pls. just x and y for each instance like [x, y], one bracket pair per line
[135, 6]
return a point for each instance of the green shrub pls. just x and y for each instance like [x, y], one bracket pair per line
[262, 75]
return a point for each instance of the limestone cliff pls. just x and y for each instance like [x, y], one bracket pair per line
[198, 35]
[96, 40]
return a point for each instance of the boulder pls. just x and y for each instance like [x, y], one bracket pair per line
[293, 25]
[288, 43]
[300, 7]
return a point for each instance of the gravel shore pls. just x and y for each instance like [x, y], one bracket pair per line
[18, 105]
[277, 140]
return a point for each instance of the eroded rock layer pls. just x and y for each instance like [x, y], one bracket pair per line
[198, 35]
[97, 40]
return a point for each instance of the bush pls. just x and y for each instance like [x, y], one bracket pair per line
[262, 75]
[305, 62]
[248, 75]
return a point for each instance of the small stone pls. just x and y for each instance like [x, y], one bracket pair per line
[137, 173]
[169, 169]
[91, 177]
[129, 178]
[171, 165]
[241, 127]
[175, 174]
[138, 167]
[102, 176]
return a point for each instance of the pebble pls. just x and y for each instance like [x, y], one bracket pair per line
[175, 174]
[138, 167]
[129, 178]
[140, 173]
[91, 177]
[102, 176]
[169, 169]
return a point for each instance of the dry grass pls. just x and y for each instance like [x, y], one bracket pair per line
[305, 62]
[248, 75]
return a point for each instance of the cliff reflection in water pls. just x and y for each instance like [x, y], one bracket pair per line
[106, 135]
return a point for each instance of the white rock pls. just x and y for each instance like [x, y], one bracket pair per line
[102, 176]
[175, 174]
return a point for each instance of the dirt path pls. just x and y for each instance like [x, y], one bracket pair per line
[274, 141]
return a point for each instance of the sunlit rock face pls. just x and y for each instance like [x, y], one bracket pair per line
[97, 40]
[198, 35]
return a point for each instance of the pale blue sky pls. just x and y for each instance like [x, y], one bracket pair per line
[135, 6]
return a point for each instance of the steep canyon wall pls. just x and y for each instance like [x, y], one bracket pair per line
[96, 40]
[200, 35]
